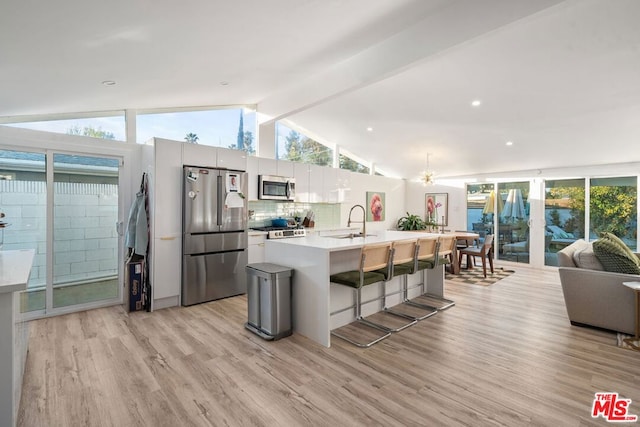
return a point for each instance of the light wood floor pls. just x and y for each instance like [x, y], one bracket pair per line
[504, 355]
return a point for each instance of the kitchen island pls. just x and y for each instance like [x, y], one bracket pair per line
[15, 267]
[314, 259]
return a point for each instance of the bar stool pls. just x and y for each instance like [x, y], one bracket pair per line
[404, 263]
[373, 257]
[444, 254]
[426, 259]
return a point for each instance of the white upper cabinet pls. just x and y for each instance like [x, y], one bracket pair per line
[285, 168]
[213, 157]
[167, 189]
[330, 185]
[301, 174]
[252, 174]
[232, 159]
[344, 186]
[316, 184]
[267, 166]
[336, 185]
[199, 155]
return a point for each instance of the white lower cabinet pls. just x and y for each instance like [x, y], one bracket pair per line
[165, 278]
[256, 248]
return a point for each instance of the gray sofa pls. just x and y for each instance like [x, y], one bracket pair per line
[594, 297]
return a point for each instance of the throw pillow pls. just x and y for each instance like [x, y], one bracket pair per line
[584, 257]
[615, 239]
[614, 258]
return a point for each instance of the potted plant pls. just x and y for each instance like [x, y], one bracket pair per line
[411, 222]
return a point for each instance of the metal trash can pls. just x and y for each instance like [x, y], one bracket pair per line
[269, 300]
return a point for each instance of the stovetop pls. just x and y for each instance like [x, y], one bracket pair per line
[272, 228]
[282, 232]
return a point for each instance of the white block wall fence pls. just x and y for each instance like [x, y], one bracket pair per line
[85, 237]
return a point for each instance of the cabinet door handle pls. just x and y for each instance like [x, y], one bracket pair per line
[260, 244]
[168, 238]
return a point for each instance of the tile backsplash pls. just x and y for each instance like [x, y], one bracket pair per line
[327, 214]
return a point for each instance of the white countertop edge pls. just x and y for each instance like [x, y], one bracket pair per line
[15, 267]
[335, 244]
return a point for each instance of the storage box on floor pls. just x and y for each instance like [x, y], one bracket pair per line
[135, 285]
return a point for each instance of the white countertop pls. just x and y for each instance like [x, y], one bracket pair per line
[15, 267]
[336, 244]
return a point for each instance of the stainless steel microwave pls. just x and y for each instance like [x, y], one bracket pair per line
[271, 187]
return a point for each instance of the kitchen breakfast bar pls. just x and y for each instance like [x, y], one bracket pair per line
[315, 258]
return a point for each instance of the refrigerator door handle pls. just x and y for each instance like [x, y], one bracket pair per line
[220, 200]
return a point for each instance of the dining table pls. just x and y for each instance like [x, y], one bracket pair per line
[470, 237]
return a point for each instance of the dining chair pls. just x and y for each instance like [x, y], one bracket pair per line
[484, 251]
[374, 260]
[462, 243]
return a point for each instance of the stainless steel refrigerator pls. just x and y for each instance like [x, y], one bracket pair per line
[214, 225]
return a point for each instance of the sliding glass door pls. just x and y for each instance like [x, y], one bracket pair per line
[613, 207]
[23, 205]
[512, 235]
[65, 207]
[85, 241]
[564, 215]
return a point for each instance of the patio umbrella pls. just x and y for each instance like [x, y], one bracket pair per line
[514, 206]
[490, 204]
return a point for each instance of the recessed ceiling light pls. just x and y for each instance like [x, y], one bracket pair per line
[476, 103]
[369, 129]
[109, 83]
[509, 143]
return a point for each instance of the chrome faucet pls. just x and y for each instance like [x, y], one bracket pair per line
[364, 219]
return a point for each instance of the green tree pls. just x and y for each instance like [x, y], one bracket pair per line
[316, 153]
[191, 138]
[352, 165]
[293, 147]
[299, 148]
[90, 131]
[241, 134]
[247, 144]
[612, 209]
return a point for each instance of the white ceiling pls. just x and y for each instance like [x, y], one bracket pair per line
[558, 78]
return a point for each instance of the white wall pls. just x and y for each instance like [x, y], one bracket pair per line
[457, 198]
[394, 190]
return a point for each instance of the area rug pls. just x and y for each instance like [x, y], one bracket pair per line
[621, 343]
[476, 277]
